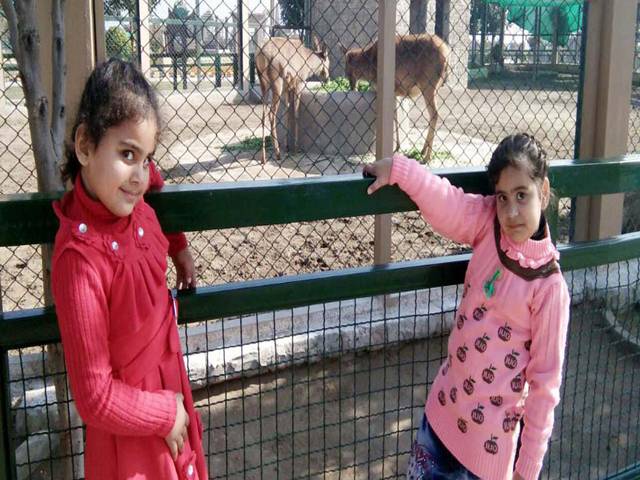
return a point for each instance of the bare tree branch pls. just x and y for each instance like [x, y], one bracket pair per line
[47, 144]
[58, 112]
[28, 48]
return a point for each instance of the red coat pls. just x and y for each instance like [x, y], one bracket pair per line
[120, 339]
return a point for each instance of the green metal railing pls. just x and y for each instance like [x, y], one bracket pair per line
[29, 219]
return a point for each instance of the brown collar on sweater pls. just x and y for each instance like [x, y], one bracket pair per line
[528, 274]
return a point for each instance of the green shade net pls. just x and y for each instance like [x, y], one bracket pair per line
[561, 16]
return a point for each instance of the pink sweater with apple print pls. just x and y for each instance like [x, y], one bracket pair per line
[506, 347]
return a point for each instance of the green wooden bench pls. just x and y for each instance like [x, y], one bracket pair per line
[28, 219]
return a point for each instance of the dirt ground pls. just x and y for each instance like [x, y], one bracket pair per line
[353, 417]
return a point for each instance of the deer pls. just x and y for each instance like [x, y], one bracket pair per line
[283, 64]
[422, 62]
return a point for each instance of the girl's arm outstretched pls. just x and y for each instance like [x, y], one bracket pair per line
[457, 215]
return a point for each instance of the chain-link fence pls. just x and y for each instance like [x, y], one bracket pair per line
[631, 220]
[201, 58]
[20, 267]
[338, 389]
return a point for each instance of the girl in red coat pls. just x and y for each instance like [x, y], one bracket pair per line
[117, 317]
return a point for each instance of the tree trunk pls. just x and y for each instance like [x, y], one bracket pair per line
[47, 128]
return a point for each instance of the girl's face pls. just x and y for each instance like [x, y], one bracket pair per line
[116, 171]
[520, 201]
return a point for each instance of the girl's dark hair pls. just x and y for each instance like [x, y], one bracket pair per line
[520, 151]
[116, 91]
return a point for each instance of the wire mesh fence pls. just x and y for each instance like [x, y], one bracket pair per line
[631, 220]
[338, 389]
[200, 56]
[280, 399]
[215, 127]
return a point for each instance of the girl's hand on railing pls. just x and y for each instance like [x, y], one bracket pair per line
[381, 170]
[185, 270]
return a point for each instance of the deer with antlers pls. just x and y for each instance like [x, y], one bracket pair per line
[283, 64]
[421, 68]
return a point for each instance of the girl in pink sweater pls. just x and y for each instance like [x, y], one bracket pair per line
[116, 316]
[506, 347]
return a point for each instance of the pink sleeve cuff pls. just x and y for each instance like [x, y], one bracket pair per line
[528, 468]
[399, 169]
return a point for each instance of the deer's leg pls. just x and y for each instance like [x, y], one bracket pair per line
[264, 89]
[288, 114]
[430, 101]
[296, 110]
[276, 93]
[264, 114]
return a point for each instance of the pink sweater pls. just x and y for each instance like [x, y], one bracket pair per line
[506, 349]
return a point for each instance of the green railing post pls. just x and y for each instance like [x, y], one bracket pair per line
[7, 467]
[236, 67]
[218, 66]
[252, 69]
[185, 69]
[552, 215]
[174, 65]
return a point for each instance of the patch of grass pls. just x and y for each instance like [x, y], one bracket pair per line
[341, 84]
[248, 144]
[435, 155]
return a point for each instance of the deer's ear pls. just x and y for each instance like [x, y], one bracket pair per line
[316, 43]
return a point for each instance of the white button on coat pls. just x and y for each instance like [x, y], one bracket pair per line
[82, 228]
[114, 245]
[140, 232]
[190, 470]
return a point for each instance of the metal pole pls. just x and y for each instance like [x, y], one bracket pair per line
[536, 41]
[604, 127]
[483, 33]
[138, 24]
[7, 458]
[240, 45]
[385, 110]
[503, 18]
[555, 37]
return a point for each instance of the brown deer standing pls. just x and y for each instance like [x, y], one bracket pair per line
[421, 67]
[283, 64]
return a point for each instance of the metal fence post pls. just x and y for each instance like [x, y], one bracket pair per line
[218, 67]
[7, 459]
[607, 90]
[385, 108]
[483, 34]
[143, 29]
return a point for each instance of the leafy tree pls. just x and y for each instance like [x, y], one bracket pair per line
[292, 12]
[118, 43]
[118, 7]
[493, 17]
